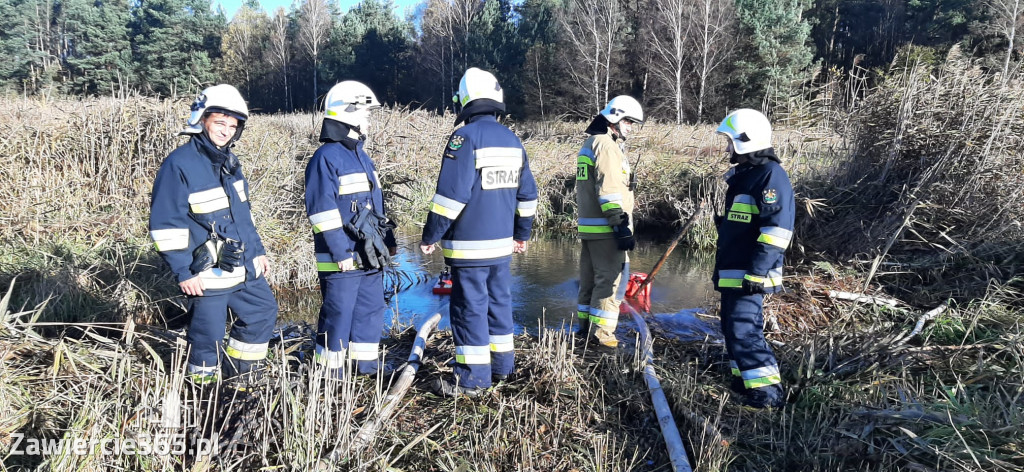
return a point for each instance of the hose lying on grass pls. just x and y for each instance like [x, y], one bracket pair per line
[398, 389]
[676, 450]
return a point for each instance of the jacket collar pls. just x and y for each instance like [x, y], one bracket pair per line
[482, 106]
[338, 132]
[224, 158]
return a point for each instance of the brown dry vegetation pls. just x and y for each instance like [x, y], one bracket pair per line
[920, 182]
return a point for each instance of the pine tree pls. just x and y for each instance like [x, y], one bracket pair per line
[775, 54]
[97, 49]
[15, 44]
[173, 44]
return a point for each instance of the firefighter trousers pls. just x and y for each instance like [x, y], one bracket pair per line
[351, 319]
[743, 327]
[255, 309]
[481, 319]
[604, 273]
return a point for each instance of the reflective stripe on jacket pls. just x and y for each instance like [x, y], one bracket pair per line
[485, 197]
[757, 227]
[602, 187]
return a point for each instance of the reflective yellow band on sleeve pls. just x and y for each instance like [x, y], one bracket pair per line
[446, 207]
[326, 220]
[169, 239]
[775, 236]
[526, 209]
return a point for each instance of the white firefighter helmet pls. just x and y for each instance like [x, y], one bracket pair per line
[350, 102]
[477, 84]
[221, 98]
[749, 130]
[623, 106]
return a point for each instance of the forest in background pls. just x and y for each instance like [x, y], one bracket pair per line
[687, 60]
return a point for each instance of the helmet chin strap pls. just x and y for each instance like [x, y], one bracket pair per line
[615, 129]
[355, 132]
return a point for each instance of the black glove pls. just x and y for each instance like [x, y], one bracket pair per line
[230, 255]
[750, 287]
[623, 236]
[202, 258]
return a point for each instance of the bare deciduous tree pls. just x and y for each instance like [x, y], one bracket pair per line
[713, 24]
[438, 45]
[591, 28]
[669, 38]
[243, 45]
[314, 27]
[280, 50]
[445, 40]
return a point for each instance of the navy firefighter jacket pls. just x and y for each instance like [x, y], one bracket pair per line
[340, 179]
[757, 227]
[486, 196]
[200, 189]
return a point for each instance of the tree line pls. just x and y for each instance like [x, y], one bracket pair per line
[687, 60]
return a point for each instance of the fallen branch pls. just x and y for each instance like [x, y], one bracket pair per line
[861, 298]
[934, 312]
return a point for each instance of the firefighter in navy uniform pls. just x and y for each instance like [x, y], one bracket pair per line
[352, 236]
[604, 201]
[201, 225]
[482, 212]
[752, 238]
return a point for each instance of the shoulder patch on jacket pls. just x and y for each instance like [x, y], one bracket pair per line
[770, 196]
[455, 143]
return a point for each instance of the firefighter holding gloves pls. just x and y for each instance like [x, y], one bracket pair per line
[201, 224]
[604, 201]
[482, 212]
[352, 235]
[752, 239]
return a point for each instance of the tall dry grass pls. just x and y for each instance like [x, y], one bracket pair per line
[924, 192]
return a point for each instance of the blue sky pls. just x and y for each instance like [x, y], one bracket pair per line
[231, 6]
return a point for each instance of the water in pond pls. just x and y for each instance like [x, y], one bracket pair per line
[545, 281]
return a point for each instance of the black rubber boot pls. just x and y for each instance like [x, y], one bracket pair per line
[770, 396]
[445, 388]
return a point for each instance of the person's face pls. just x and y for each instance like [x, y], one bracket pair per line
[220, 128]
[625, 127]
